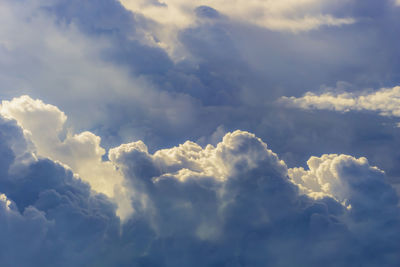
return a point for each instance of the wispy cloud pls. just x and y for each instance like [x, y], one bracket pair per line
[385, 101]
[173, 16]
[277, 15]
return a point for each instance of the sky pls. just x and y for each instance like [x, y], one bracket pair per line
[200, 133]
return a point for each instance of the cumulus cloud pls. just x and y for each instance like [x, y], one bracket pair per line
[334, 175]
[237, 199]
[44, 125]
[234, 204]
[48, 215]
[385, 101]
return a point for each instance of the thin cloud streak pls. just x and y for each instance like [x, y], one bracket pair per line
[385, 101]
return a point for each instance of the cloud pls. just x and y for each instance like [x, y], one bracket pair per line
[385, 101]
[79, 59]
[48, 215]
[96, 66]
[235, 203]
[338, 176]
[277, 15]
[173, 16]
[44, 124]
[95, 62]
[237, 200]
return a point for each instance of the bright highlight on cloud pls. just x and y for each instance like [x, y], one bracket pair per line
[47, 215]
[234, 203]
[172, 16]
[43, 124]
[273, 14]
[329, 175]
[385, 101]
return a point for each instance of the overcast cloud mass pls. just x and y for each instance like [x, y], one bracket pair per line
[199, 133]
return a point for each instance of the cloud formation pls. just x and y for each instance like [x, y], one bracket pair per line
[44, 126]
[94, 60]
[72, 64]
[48, 216]
[385, 101]
[237, 200]
[233, 204]
[173, 16]
[278, 15]
[105, 186]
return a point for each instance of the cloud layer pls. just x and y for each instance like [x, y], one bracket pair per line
[108, 185]
[233, 204]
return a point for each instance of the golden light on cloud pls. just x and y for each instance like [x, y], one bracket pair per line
[284, 15]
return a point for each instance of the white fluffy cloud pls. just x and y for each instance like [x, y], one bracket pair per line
[385, 101]
[48, 215]
[217, 194]
[328, 175]
[44, 125]
[337, 176]
[191, 161]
